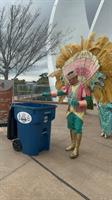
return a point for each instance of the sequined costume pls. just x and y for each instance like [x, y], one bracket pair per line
[105, 116]
[82, 67]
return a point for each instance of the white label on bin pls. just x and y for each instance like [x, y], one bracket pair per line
[24, 117]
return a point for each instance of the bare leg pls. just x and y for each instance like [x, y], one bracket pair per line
[73, 141]
[75, 152]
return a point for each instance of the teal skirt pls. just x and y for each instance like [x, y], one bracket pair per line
[74, 123]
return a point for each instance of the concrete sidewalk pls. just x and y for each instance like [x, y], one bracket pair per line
[52, 175]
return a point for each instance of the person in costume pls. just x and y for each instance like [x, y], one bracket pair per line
[105, 116]
[79, 99]
[80, 69]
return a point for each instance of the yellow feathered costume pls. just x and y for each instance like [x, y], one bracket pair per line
[102, 49]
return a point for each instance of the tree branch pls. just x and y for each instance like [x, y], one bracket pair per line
[23, 39]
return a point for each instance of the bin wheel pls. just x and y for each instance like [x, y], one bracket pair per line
[17, 145]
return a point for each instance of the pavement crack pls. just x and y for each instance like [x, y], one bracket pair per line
[60, 179]
[12, 172]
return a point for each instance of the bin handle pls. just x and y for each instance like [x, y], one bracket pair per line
[46, 113]
[44, 131]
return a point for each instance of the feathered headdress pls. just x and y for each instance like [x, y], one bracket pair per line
[91, 61]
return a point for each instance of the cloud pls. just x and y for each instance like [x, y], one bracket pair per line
[33, 74]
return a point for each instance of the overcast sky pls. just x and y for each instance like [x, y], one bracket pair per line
[45, 7]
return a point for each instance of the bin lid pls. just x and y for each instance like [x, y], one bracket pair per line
[33, 106]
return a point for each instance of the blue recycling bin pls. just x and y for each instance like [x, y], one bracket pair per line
[34, 126]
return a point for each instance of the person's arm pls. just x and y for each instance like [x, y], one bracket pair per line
[87, 100]
[61, 92]
[54, 94]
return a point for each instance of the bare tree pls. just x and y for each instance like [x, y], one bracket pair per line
[23, 40]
